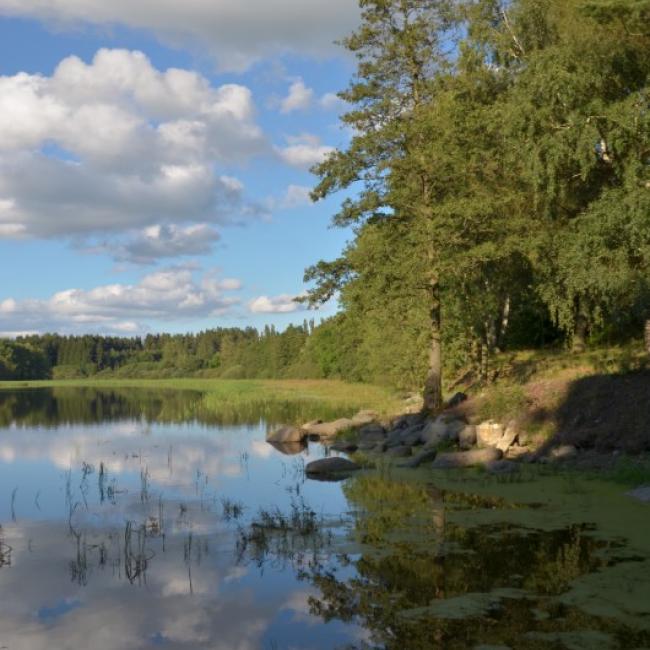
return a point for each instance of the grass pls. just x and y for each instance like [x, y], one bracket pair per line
[337, 394]
[631, 472]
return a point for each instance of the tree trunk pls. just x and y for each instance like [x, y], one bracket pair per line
[505, 322]
[485, 360]
[647, 336]
[579, 339]
[433, 384]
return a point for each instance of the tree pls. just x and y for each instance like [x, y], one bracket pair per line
[401, 51]
[578, 114]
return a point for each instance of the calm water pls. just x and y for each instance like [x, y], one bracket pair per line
[136, 519]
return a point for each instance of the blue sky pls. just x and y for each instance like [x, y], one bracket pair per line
[154, 161]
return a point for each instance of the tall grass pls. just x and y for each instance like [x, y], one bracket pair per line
[338, 395]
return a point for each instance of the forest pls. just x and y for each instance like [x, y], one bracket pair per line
[497, 189]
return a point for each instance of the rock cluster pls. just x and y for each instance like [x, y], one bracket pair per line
[414, 439]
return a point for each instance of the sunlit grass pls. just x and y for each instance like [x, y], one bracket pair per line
[336, 394]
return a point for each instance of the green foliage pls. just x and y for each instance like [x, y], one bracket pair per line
[504, 178]
[19, 361]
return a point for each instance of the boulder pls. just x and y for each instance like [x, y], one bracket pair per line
[374, 428]
[488, 434]
[398, 452]
[518, 453]
[509, 437]
[371, 445]
[408, 420]
[459, 459]
[345, 446]
[372, 434]
[286, 434]
[364, 417]
[328, 429]
[409, 436]
[331, 467]
[457, 399]
[467, 437]
[424, 456]
[440, 430]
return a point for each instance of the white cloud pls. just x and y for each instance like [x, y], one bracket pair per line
[304, 151]
[284, 304]
[236, 33]
[300, 97]
[331, 101]
[166, 295]
[296, 196]
[161, 241]
[116, 144]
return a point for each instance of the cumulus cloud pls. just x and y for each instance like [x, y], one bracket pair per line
[300, 97]
[161, 241]
[303, 151]
[283, 304]
[236, 33]
[331, 102]
[296, 196]
[117, 144]
[169, 294]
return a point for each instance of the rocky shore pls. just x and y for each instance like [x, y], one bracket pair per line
[412, 440]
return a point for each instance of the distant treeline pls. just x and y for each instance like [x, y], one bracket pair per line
[341, 347]
[305, 351]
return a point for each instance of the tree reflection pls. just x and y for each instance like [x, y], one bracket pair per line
[86, 405]
[421, 582]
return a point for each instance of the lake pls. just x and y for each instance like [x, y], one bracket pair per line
[145, 519]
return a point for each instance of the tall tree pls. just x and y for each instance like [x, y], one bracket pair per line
[401, 47]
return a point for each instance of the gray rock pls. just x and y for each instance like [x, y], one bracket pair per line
[371, 435]
[502, 467]
[488, 434]
[509, 437]
[374, 428]
[398, 452]
[412, 437]
[467, 437]
[286, 434]
[332, 466]
[641, 493]
[328, 429]
[369, 445]
[408, 420]
[425, 456]
[409, 436]
[454, 460]
[440, 430]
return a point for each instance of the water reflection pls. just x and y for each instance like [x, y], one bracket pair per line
[129, 522]
[75, 405]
